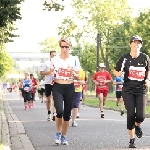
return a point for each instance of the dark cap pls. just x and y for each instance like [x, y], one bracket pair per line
[136, 37]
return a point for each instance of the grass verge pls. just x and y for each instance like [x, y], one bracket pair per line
[109, 104]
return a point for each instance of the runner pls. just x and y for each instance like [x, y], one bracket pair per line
[77, 96]
[118, 81]
[39, 89]
[66, 68]
[101, 79]
[42, 84]
[20, 84]
[26, 90]
[33, 90]
[83, 90]
[136, 66]
[48, 86]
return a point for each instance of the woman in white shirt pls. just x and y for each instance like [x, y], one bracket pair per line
[66, 69]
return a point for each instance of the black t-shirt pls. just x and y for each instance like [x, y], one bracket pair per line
[135, 69]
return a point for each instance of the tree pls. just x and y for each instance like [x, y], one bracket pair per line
[9, 13]
[49, 44]
[53, 4]
[98, 17]
[142, 28]
[5, 63]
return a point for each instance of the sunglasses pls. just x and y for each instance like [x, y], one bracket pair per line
[64, 46]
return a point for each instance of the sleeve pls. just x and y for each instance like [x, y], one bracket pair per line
[148, 63]
[119, 64]
[43, 67]
[82, 75]
[109, 76]
[77, 64]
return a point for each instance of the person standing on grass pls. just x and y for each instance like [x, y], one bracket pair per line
[101, 79]
[66, 69]
[118, 81]
[135, 66]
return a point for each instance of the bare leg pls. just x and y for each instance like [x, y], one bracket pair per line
[100, 96]
[59, 125]
[74, 114]
[65, 126]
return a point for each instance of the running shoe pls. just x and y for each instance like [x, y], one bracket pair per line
[122, 112]
[63, 140]
[138, 131]
[30, 106]
[132, 143]
[48, 117]
[26, 108]
[74, 124]
[102, 115]
[77, 116]
[58, 138]
[53, 118]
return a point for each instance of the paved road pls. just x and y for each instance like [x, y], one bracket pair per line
[92, 133]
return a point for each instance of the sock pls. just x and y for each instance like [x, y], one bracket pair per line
[102, 112]
[49, 112]
[54, 114]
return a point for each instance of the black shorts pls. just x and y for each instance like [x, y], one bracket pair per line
[39, 91]
[32, 96]
[48, 89]
[42, 91]
[118, 94]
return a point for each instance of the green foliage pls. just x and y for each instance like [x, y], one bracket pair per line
[5, 63]
[53, 5]
[142, 28]
[49, 44]
[9, 13]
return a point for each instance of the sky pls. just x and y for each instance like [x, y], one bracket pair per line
[36, 24]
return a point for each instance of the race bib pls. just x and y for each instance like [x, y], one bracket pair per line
[77, 84]
[136, 73]
[26, 89]
[120, 87]
[64, 73]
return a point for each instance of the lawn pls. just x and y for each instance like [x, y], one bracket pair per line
[109, 104]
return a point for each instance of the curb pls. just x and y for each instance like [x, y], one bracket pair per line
[108, 108]
[4, 129]
[17, 134]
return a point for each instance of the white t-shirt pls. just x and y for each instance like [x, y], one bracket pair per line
[42, 84]
[46, 67]
[60, 66]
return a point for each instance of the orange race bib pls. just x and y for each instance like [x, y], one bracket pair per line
[64, 73]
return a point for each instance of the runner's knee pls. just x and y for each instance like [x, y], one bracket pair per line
[66, 117]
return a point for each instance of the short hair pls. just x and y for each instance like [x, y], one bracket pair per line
[52, 52]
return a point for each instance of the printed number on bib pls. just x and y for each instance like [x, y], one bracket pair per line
[136, 73]
[77, 84]
[64, 73]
